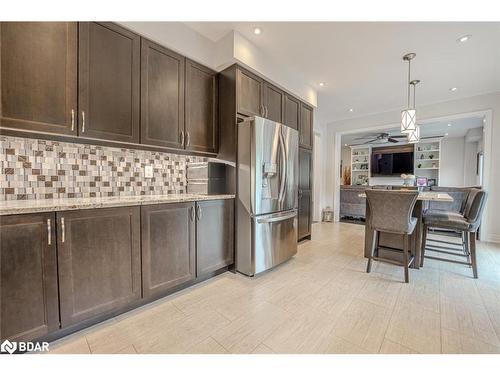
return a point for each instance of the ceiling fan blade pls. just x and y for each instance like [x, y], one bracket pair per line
[392, 140]
[370, 141]
[433, 136]
[398, 136]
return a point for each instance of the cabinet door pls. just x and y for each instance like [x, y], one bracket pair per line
[214, 235]
[108, 82]
[248, 93]
[304, 214]
[305, 165]
[38, 76]
[168, 246]
[201, 108]
[273, 102]
[28, 284]
[162, 96]
[99, 261]
[306, 126]
[291, 112]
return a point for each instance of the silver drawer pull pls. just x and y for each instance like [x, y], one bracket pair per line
[182, 137]
[72, 120]
[198, 212]
[49, 232]
[83, 121]
[188, 139]
[192, 213]
[63, 231]
[277, 218]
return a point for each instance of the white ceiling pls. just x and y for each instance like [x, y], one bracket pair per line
[360, 62]
[459, 128]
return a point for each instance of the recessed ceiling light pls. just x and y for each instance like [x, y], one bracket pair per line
[321, 84]
[445, 134]
[453, 89]
[351, 109]
[345, 145]
[464, 38]
[257, 31]
[449, 124]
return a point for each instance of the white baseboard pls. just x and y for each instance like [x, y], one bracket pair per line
[492, 238]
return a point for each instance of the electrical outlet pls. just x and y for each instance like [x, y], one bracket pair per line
[148, 170]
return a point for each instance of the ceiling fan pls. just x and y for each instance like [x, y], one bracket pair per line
[385, 138]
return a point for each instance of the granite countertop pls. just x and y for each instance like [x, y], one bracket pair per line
[63, 204]
[425, 196]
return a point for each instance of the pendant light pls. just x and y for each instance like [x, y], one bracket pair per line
[409, 115]
[414, 135]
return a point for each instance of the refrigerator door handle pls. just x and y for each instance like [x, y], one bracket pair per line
[282, 168]
[274, 219]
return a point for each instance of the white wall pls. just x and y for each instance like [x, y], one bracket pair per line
[470, 161]
[487, 102]
[451, 168]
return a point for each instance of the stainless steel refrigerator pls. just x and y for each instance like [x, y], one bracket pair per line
[267, 183]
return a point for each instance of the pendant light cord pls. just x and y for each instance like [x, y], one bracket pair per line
[409, 68]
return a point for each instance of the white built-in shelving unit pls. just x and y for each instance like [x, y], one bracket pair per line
[427, 159]
[360, 165]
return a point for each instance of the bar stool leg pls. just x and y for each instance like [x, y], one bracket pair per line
[472, 239]
[466, 236]
[406, 247]
[424, 241]
[372, 253]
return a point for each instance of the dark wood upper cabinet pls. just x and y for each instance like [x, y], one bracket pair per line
[201, 108]
[99, 258]
[306, 126]
[28, 277]
[38, 78]
[291, 112]
[108, 82]
[273, 102]
[214, 235]
[162, 96]
[168, 246]
[304, 215]
[249, 93]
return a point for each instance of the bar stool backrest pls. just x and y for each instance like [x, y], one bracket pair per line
[391, 209]
[474, 211]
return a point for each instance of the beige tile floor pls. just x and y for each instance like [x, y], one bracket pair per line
[321, 301]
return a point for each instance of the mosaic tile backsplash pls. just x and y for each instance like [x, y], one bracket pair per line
[39, 169]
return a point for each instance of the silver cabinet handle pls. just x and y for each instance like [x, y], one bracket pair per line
[192, 213]
[188, 139]
[262, 110]
[63, 231]
[49, 232]
[72, 120]
[83, 121]
[198, 212]
[267, 111]
[182, 137]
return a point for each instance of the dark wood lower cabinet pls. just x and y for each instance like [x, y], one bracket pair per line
[168, 246]
[28, 269]
[99, 261]
[214, 235]
[97, 267]
[304, 214]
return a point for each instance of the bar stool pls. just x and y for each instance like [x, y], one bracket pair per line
[391, 212]
[466, 224]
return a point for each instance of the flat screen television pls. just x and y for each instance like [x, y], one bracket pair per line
[385, 163]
